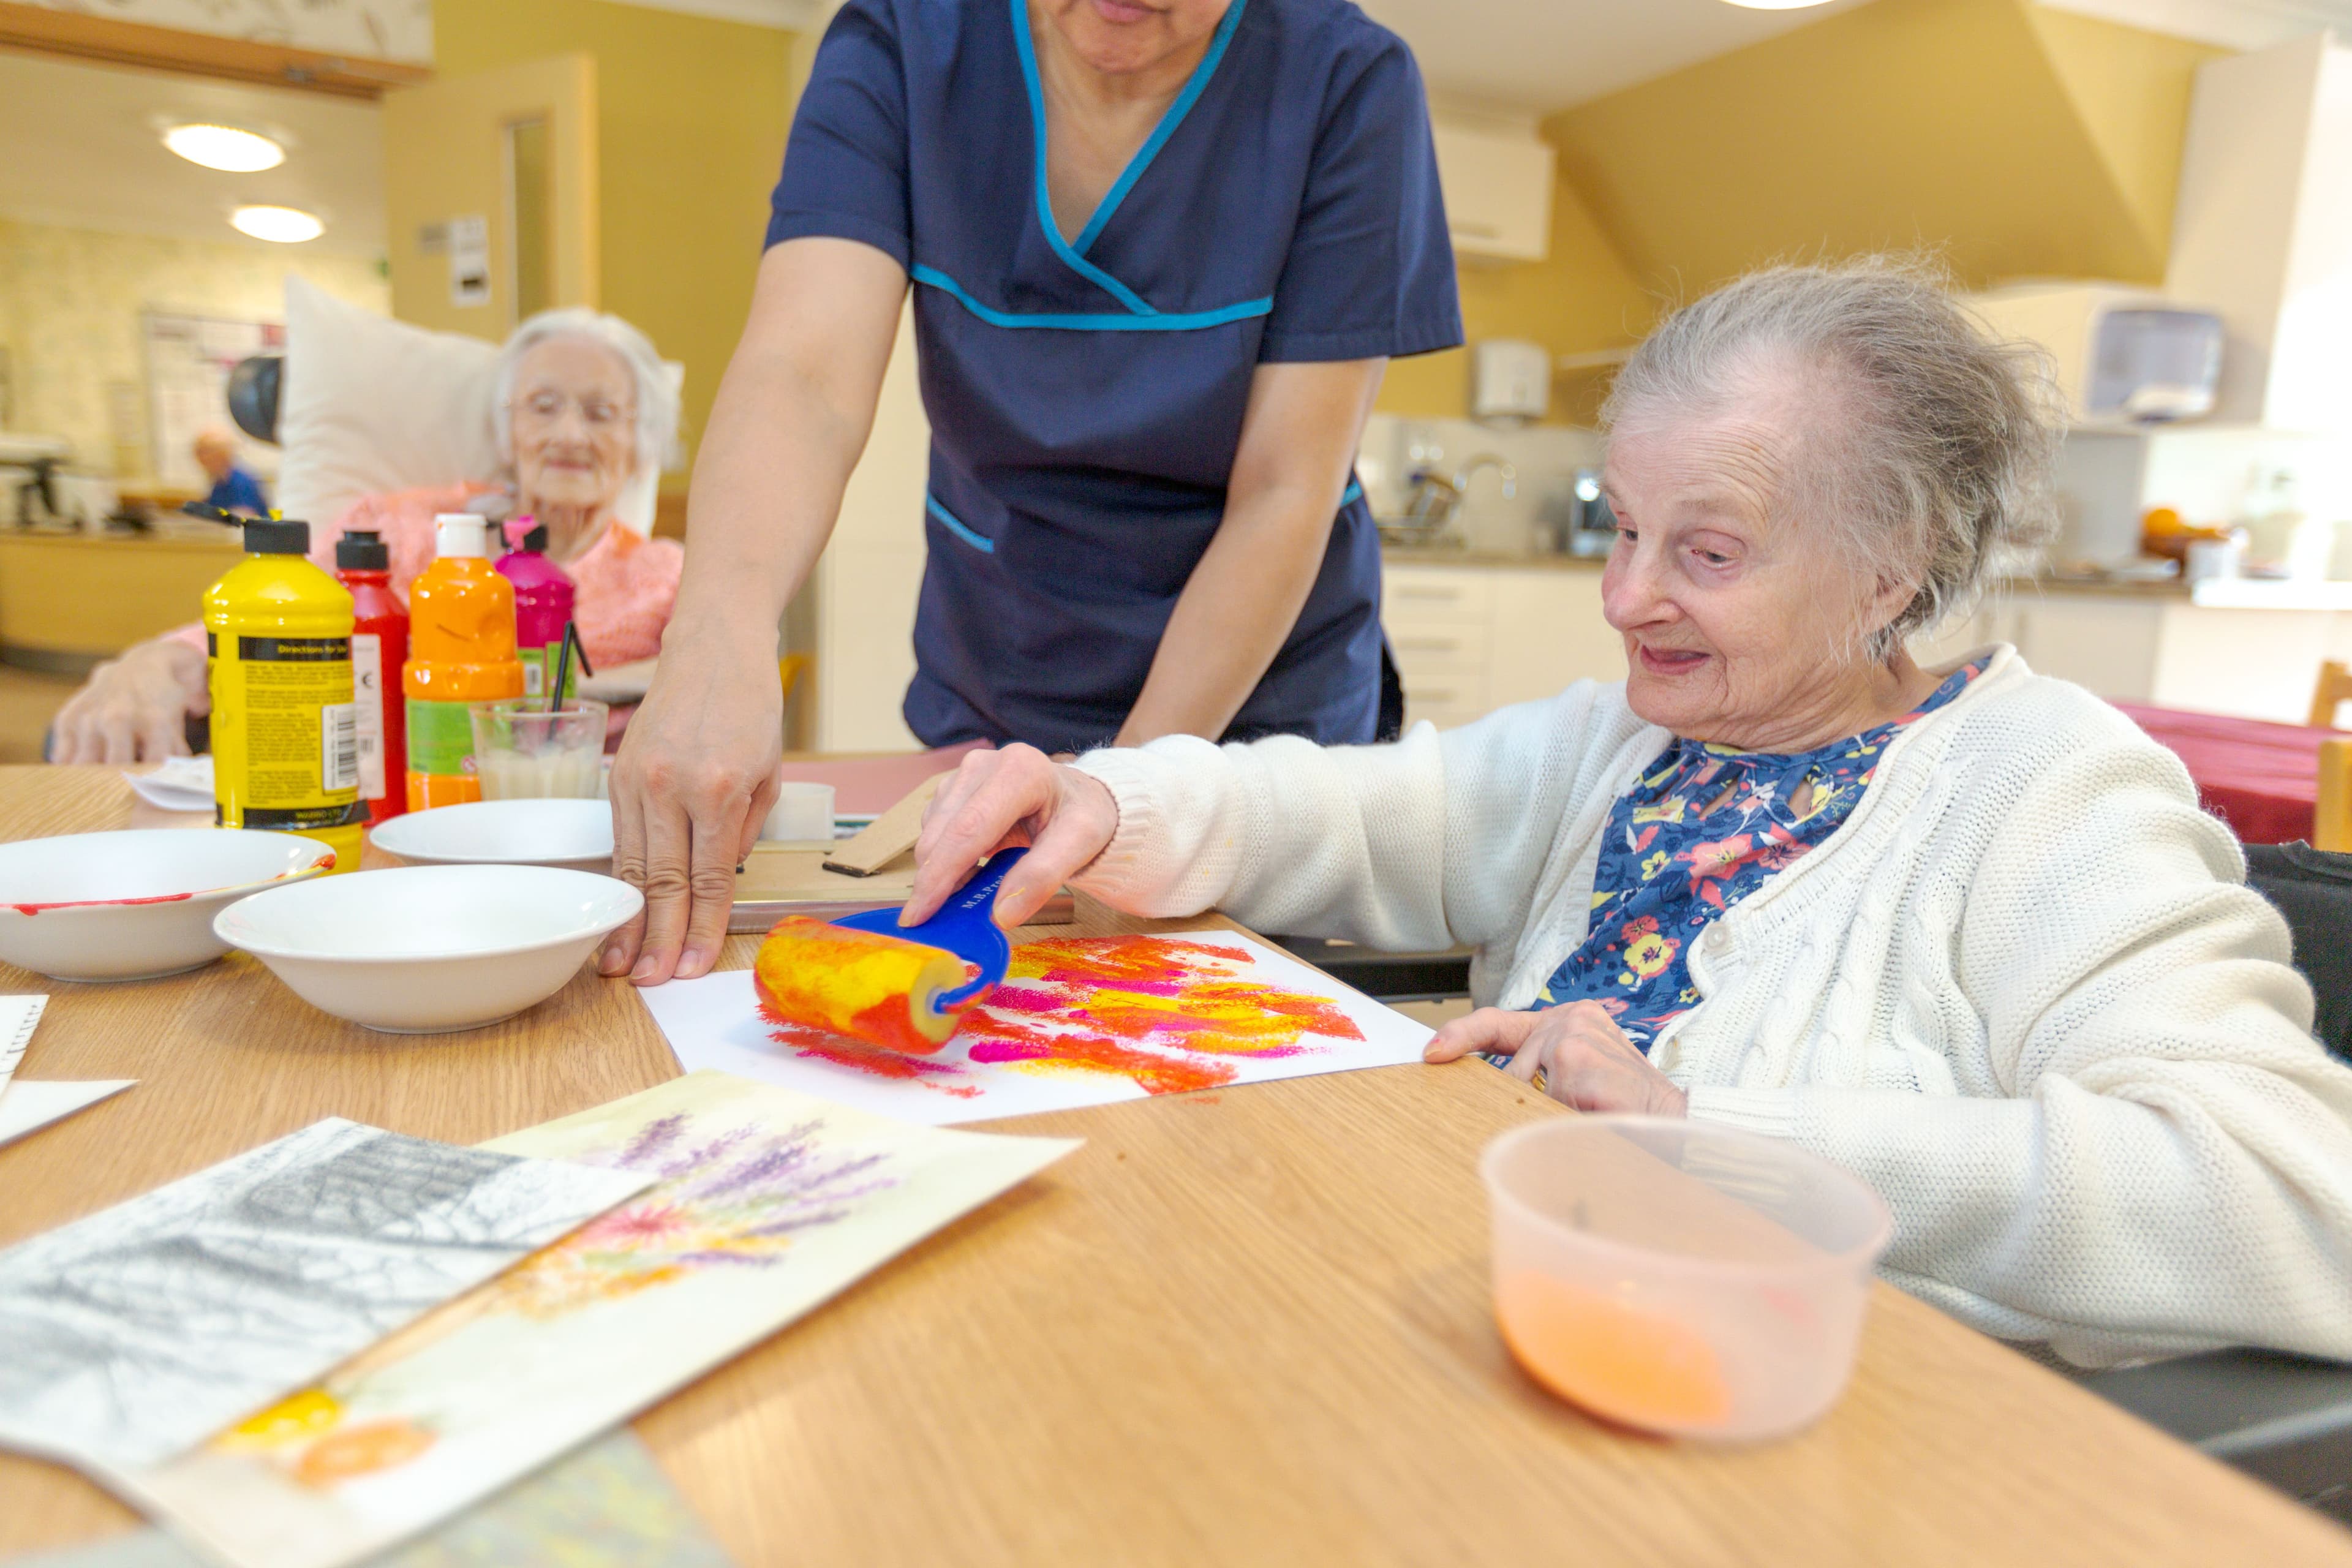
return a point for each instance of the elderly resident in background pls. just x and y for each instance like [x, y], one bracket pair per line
[1963, 930]
[234, 486]
[583, 404]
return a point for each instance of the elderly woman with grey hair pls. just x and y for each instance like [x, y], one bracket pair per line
[582, 409]
[1961, 929]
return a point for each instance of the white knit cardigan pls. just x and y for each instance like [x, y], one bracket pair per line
[2023, 991]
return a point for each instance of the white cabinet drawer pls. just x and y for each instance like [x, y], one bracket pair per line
[1435, 645]
[1413, 596]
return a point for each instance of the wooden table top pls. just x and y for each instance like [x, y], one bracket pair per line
[1249, 1325]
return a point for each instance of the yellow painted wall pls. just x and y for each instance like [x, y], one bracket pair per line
[691, 116]
[1579, 298]
[70, 300]
[2018, 143]
[2131, 90]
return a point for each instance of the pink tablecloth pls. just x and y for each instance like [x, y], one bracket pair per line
[864, 784]
[2262, 779]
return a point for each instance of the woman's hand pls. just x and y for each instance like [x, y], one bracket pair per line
[1585, 1058]
[133, 708]
[1017, 795]
[695, 777]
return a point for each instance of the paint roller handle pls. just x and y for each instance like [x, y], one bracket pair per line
[1003, 799]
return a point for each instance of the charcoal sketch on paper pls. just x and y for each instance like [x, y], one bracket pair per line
[136, 1332]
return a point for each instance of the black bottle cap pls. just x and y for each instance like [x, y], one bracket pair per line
[268, 537]
[362, 550]
[536, 539]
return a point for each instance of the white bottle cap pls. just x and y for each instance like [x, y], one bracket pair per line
[461, 533]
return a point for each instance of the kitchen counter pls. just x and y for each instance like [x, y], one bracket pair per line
[2236, 595]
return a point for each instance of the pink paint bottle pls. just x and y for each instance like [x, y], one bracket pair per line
[544, 598]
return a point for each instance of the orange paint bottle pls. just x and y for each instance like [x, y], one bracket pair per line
[461, 650]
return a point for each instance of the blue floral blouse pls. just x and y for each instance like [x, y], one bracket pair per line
[1697, 833]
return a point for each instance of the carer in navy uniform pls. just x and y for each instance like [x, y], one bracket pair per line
[1160, 252]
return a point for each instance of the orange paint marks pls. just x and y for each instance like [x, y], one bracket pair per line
[1003, 1042]
[1145, 1008]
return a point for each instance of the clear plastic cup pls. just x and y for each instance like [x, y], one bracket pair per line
[1681, 1278]
[522, 752]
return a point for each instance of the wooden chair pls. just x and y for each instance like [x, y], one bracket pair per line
[2334, 686]
[2331, 817]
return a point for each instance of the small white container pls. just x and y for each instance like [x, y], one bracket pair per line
[1681, 1278]
[803, 814]
[430, 949]
[139, 904]
[576, 835]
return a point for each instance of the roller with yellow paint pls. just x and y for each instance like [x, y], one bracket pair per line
[899, 988]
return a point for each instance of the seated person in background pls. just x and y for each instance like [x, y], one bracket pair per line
[234, 486]
[582, 404]
[1963, 930]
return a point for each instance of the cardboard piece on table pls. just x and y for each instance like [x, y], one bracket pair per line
[887, 838]
[780, 880]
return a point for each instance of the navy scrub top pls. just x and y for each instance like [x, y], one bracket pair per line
[1086, 396]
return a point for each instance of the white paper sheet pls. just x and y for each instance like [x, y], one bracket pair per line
[28, 1105]
[180, 783]
[18, 1017]
[135, 1332]
[1101, 1019]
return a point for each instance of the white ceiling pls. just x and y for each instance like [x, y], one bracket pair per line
[78, 146]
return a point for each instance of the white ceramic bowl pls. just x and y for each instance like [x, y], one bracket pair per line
[140, 904]
[574, 834]
[427, 949]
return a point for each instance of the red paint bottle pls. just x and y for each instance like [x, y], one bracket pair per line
[378, 648]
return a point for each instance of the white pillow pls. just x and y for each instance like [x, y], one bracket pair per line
[371, 405]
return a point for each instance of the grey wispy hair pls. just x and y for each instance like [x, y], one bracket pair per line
[1925, 444]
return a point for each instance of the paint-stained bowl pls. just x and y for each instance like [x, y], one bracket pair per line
[427, 948]
[1679, 1277]
[574, 834]
[139, 904]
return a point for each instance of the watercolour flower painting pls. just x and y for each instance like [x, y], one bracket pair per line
[1078, 1021]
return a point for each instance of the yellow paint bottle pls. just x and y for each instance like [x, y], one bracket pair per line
[278, 640]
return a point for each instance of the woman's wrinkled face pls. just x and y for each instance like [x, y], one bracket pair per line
[1120, 37]
[575, 419]
[1739, 615]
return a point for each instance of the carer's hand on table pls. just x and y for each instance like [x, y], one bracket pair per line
[1002, 798]
[695, 777]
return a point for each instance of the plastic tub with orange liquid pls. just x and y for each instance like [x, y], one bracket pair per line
[1679, 1278]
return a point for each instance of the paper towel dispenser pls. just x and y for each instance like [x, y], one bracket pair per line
[2125, 357]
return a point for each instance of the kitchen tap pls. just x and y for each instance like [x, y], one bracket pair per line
[1434, 498]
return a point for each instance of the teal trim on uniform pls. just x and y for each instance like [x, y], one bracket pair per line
[1193, 87]
[1190, 321]
[1077, 263]
[947, 521]
[1352, 494]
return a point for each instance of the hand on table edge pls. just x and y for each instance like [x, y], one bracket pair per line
[1001, 799]
[1586, 1059]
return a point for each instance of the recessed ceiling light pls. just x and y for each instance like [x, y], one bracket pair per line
[1775, 4]
[284, 225]
[224, 147]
